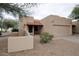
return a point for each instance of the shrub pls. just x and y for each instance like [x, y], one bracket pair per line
[15, 30]
[45, 37]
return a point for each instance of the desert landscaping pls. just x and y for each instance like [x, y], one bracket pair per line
[44, 33]
[56, 47]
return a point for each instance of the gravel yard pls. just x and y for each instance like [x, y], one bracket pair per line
[57, 47]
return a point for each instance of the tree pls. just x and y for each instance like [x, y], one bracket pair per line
[10, 8]
[75, 13]
[15, 9]
[9, 24]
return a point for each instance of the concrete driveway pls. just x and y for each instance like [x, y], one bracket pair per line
[73, 38]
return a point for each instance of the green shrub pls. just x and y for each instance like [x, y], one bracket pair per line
[15, 30]
[45, 37]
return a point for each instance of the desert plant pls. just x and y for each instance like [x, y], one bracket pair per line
[45, 37]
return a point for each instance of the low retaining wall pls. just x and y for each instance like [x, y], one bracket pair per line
[20, 43]
[14, 34]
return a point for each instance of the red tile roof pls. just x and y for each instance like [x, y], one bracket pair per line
[35, 22]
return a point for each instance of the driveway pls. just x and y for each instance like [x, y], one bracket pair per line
[74, 38]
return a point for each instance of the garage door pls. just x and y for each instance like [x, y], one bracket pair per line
[62, 30]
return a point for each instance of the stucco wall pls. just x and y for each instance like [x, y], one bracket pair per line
[23, 21]
[14, 34]
[77, 28]
[20, 43]
[57, 26]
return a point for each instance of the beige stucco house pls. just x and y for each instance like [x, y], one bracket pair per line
[55, 25]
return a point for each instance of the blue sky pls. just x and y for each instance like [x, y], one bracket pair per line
[45, 9]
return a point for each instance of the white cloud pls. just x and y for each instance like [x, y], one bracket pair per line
[45, 9]
[61, 9]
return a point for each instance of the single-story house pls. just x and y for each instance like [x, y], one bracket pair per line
[55, 25]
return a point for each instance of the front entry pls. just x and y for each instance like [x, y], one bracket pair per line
[35, 29]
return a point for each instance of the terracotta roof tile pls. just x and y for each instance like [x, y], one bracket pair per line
[35, 22]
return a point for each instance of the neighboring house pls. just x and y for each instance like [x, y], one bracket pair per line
[55, 25]
[75, 27]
